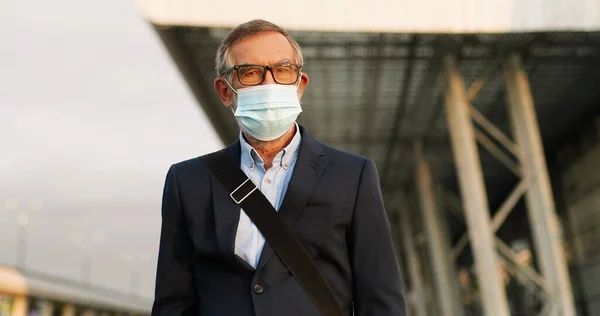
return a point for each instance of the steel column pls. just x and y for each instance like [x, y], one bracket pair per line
[68, 310]
[539, 198]
[473, 192]
[417, 291]
[20, 305]
[438, 243]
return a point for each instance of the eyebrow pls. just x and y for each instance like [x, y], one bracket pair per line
[284, 60]
[279, 62]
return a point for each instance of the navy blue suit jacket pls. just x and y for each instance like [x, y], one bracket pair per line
[333, 205]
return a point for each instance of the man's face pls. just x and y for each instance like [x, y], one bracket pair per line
[267, 48]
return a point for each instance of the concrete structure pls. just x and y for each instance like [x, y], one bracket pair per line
[477, 99]
[35, 294]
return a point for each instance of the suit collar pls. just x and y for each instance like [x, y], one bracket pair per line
[307, 172]
[309, 168]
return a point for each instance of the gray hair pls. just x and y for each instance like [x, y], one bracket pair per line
[223, 59]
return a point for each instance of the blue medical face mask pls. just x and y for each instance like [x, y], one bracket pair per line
[267, 112]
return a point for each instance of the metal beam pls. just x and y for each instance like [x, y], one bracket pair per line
[351, 72]
[495, 132]
[326, 82]
[478, 84]
[437, 239]
[539, 198]
[525, 274]
[420, 246]
[372, 103]
[473, 192]
[501, 215]
[400, 110]
[436, 101]
[314, 60]
[417, 291]
[476, 41]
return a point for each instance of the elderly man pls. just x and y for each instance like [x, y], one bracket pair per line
[215, 260]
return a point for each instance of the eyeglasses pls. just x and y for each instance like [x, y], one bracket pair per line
[253, 75]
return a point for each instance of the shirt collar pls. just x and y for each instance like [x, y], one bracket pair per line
[285, 157]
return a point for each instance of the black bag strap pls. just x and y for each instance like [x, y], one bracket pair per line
[278, 235]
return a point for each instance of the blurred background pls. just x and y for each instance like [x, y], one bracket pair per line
[92, 113]
[483, 118]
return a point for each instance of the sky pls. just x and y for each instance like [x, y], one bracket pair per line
[92, 114]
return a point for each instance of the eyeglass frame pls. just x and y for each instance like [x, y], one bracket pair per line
[264, 76]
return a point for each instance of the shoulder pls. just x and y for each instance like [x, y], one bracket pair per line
[191, 170]
[197, 167]
[344, 158]
[333, 154]
[199, 164]
[188, 165]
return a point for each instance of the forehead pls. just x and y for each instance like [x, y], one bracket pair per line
[262, 49]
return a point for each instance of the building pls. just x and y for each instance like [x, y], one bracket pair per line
[40, 295]
[482, 117]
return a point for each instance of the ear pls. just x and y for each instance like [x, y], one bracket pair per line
[224, 92]
[303, 84]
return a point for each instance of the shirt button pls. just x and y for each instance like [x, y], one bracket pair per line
[268, 181]
[258, 289]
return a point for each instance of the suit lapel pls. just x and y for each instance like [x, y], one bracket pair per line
[227, 213]
[307, 172]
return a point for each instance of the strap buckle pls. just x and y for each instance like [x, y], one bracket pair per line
[254, 187]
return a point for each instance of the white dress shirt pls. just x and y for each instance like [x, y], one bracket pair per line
[273, 184]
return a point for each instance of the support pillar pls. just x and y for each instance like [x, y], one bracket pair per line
[68, 310]
[89, 312]
[473, 192]
[20, 305]
[539, 198]
[438, 244]
[417, 291]
[47, 308]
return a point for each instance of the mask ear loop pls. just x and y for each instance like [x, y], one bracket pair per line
[229, 85]
[232, 89]
[299, 80]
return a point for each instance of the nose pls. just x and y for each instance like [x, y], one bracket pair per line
[268, 77]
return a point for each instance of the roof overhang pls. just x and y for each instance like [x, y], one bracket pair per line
[376, 93]
[13, 282]
[383, 16]
[376, 86]
[16, 283]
